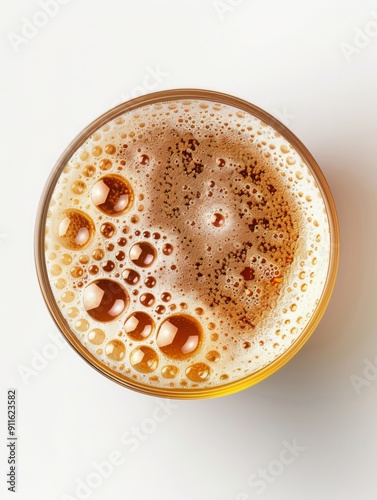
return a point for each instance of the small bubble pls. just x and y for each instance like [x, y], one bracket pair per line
[166, 297]
[144, 359]
[115, 350]
[67, 296]
[179, 336]
[143, 254]
[76, 230]
[167, 249]
[105, 300]
[82, 325]
[84, 259]
[144, 159]
[97, 151]
[60, 283]
[96, 336]
[220, 162]
[122, 242]
[76, 271]
[147, 299]
[120, 256]
[160, 309]
[66, 259]
[98, 254]
[55, 270]
[199, 372]
[246, 345]
[169, 371]
[213, 356]
[78, 187]
[139, 325]
[110, 149]
[150, 282]
[93, 270]
[131, 276]
[108, 266]
[217, 220]
[108, 230]
[290, 160]
[89, 171]
[73, 312]
[112, 195]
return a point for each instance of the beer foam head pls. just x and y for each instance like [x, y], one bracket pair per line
[187, 245]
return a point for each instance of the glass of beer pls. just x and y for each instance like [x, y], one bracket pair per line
[187, 244]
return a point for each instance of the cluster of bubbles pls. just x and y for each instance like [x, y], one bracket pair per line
[170, 267]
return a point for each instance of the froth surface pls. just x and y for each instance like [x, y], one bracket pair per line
[187, 244]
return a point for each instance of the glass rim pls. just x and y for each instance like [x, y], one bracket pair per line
[44, 282]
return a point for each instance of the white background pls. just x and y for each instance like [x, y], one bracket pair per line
[289, 58]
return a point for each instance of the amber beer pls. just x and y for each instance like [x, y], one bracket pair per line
[185, 245]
